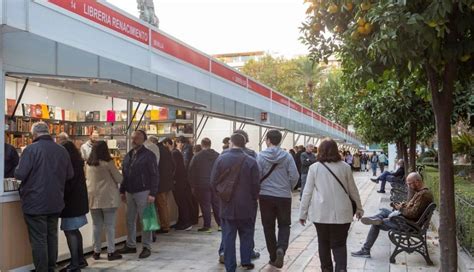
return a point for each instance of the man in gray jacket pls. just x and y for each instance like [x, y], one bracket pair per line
[44, 168]
[279, 176]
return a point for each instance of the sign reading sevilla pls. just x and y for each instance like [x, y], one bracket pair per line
[107, 17]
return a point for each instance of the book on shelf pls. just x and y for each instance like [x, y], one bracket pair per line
[44, 111]
[110, 116]
[10, 106]
[171, 113]
[81, 116]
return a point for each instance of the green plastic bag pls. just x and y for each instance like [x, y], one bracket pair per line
[150, 220]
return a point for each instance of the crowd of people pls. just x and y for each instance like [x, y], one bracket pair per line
[61, 181]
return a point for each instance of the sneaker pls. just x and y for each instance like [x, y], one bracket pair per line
[371, 220]
[221, 259]
[114, 256]
[374, 180]
[127, 250]
[255, 255]
[145, 253]
[249, 266]
[189, 228]
[363, 253]
[84, 264]
[96, 256]
[204, 229]
[381, 192]
[219, 228]
[280, 258]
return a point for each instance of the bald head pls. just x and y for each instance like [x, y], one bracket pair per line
[415, 181]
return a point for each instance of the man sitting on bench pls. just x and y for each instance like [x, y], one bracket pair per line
[412, 210]
[396, 176]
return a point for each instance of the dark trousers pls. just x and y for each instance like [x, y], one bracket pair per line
[183, 198]
[207, 199]
[332, 237]
[43, 234]
[75, 245]
[221, 246]
[274, 209]
[375, 229]
[230, 228]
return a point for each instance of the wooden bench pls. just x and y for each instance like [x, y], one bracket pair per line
[410, 236]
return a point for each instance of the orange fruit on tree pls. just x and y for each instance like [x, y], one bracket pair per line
[349, 6]
[368, 28]
[332, 8]
[361, 30]
[365, 6]
[361, 21]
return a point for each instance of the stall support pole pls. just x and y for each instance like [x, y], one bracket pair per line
[234, 126]
[20, 97]
[129, 119]
[141, 118]
[284, 137]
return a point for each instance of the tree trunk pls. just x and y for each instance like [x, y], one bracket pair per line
[399, 150]
[442, 101]
[404, 156]
[412, 158]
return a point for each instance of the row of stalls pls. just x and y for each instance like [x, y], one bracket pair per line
[85, 65]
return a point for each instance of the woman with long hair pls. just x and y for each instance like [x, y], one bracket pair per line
[103, 179]
[73, 216]
[330, 200]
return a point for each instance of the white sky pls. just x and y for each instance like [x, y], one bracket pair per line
[226, 26]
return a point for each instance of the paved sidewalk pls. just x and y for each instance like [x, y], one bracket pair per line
[193, 251]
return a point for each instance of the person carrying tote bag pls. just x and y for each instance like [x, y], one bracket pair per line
[330, 200]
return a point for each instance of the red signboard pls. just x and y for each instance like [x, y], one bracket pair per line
[254, 86]
[107, 17]
[280, 99]
[307, 112]
[227, 73]
[175, 49]
[316, 116]
[295, 106]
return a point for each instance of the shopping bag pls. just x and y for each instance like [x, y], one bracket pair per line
[150, 220]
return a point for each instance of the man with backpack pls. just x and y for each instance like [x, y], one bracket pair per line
[279, 177]
[235, 177]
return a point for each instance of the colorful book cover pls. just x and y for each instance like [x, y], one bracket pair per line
[163, 113]
[96, 116]
[58, 115]
[44, 111]
[147, 116]
[26, 108]
[154, 115]
[89, 116]
[63, 114]
[81, 116]
[103, 116]
[110, 116]
[10, 106]
[171, 113]
[52, 112]
[123, 115]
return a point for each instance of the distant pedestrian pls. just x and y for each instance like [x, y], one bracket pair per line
[280, 173]
[307, 159]
[383, 161]
[166, 169]
[363, 162]
[86, 148]
[374, 160]
[43, 169]
[225, 143]
[11, 161]
[73, 216]
[356, 161]
[237, 214]
[196, 149]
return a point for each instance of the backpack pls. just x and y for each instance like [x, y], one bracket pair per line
[228, 179]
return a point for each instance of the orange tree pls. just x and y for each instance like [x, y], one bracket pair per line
[434, 36]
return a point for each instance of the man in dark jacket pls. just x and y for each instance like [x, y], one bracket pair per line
[307, 158]
[298, 163]
[43, 169]
[183, 145]
[182, 190]
[200, 178]
[11, 161]
[138, 189]
[237, 215]
[396, 176]
[166, 170]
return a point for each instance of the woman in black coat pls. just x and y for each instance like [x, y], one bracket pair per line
[76, 207]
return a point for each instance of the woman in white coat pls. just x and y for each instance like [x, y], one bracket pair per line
[327, 203]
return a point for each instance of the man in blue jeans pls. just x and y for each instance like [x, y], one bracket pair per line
[412, 210]
[396, 176]
[237, 213]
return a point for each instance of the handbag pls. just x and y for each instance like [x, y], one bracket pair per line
[353, 203]
[149, 219]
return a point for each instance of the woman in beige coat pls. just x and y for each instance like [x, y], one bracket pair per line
[326, 204]
[103, 179]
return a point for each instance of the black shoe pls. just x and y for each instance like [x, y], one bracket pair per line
[363, 253]
[375, 180]
[255, 255]
[221, 259]
[96, 256]
[249, 266]
[84, 264]
[162, 231]
[280, 258]
[114, 256]
[126, 250]
[71, 268]
[145, 253]
[371, 220]
[381, 192]
[153, 237]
